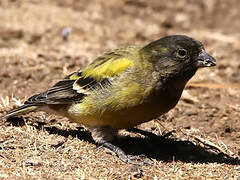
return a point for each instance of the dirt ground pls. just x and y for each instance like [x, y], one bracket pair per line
[34, 55]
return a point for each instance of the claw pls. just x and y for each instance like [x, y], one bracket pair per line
[135, 160]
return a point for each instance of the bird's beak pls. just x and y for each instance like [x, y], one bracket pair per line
[205, 60]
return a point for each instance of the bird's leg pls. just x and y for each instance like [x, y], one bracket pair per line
[103, 136]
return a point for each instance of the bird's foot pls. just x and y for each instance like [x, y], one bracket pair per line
[135, 160]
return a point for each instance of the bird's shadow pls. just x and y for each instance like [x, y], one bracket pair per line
[152, 146]
[156, 147]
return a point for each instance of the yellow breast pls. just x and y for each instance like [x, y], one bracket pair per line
[121, 119]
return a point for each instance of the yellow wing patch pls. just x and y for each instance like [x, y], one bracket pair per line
[107, 69]
[75, 76]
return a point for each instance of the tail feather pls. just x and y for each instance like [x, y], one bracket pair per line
[20, 110]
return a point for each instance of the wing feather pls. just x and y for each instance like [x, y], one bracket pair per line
[77, 85]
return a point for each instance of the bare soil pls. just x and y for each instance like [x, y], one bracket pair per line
[34, 54]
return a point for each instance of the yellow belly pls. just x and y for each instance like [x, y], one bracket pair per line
[122, 119]
[124, 108]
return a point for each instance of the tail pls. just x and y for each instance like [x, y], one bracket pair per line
[26, 108]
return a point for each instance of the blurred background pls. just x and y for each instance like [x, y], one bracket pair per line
[35, 31]
[41, 41]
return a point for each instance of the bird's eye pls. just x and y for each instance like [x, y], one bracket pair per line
[182, 53]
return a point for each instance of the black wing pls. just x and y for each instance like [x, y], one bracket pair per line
[71, 89]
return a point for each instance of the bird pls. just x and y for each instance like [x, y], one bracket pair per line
[123, 88]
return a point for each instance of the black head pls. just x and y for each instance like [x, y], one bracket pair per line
[177, 55]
